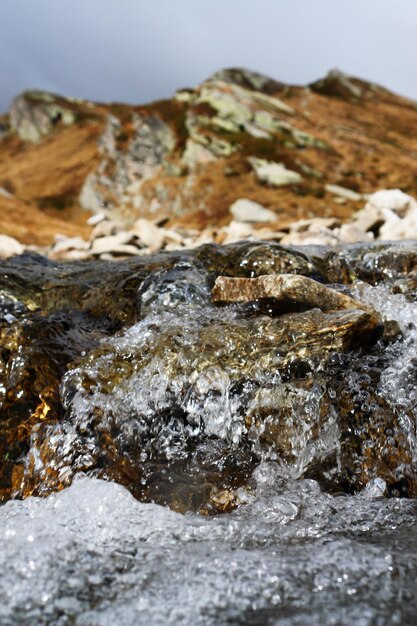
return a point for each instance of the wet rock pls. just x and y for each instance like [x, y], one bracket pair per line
[244, 210]
[379, 261]
[287, 289]
[252, 259]
[182, 394]
[129, 372]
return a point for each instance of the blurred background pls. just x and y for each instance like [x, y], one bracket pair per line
[137, 51]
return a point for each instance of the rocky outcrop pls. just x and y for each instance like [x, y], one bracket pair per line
[339, 85]
[188, 159]
[124, 168]
[35, 114]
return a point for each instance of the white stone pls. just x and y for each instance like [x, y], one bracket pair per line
[314, 223]
[110, 244]
[351, 233]
[9, 247]
[392, 199]
[405, 228]
[148, 234]
[173, 236]
[71, 255]
[244, 210]
[96, 219]
[368, 218]
[236, 231]
[104, 229]
[322, 237]
[343, 192]
[275, 174]
[5, 193]
[122, 250]
[392, 211]
[62, 247]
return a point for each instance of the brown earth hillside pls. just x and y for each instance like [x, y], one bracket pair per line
[299, 151]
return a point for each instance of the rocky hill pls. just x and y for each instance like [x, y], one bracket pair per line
[300, 152]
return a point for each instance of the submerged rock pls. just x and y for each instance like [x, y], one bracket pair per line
[128, 371]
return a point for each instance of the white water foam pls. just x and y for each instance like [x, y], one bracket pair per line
[93, 556]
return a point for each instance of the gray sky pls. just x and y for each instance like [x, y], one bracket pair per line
[142, 50]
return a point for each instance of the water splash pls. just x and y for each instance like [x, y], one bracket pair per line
[92, 555]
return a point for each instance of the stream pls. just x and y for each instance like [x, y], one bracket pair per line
[168, 460]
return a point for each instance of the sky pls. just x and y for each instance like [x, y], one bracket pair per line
[142, 50]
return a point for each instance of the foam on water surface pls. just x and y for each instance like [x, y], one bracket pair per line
[92, 555]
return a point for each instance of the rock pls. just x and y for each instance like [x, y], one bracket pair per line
[196, 154]
[284, 289]
[373, 262]
[174, 237]
[342, 192]
[315, 231]
[112, 243]
[244, 210]
[127, 371]
[246, 259]
[339, 85]
[96, 219]
[370, 220]
[274, 174]
[247, 79]
[122, 251]
[351, 233]
[389, 214]
[9, 247]
[34, 114]
[392, 200]
[149, 143]
[171, 158]
[63, 247]
[105, 228]
[265, 234]
[314, 224]
[5, 193]
[148, 234]
[235, 231]
[313, 237]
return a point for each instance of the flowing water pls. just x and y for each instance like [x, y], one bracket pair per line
[255, 485]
